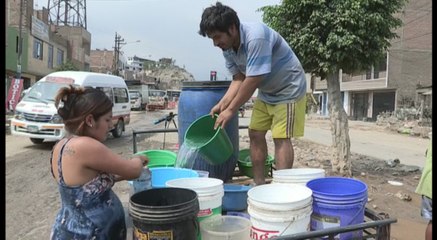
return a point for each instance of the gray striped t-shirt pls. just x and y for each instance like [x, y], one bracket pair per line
[263, 51]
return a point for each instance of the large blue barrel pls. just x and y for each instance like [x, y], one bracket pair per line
[196, 99]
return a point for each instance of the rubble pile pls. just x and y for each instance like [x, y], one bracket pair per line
[405, 123]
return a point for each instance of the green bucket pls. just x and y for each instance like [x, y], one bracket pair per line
[245, 163]
[214, 145]
[159, 158]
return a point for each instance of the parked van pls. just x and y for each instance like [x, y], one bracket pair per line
[158, 99]
[36, 115]
[136, 100]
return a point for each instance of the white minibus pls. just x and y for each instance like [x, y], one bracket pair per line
[36, 116]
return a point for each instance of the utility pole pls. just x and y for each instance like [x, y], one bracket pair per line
[118, 42]
[20, 40]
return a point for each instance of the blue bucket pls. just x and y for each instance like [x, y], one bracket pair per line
[338, 202]
[160, 175]
[235, 198]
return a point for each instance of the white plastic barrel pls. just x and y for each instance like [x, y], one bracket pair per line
[279, 209]
[210, 193]
[297, 175]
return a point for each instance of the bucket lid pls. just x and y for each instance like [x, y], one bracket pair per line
[280, 196]
[202, 186]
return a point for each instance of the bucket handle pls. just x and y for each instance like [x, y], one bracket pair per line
[363, 205]
[356, 215]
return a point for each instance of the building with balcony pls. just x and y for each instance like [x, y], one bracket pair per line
[394, 82]
[44, 47]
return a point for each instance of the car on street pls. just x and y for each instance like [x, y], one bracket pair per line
[136, 100]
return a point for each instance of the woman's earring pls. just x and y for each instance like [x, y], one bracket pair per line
[91, 125]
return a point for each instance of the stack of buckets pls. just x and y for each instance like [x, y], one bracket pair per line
[338, 202]
[297, 175]
[303, 200]
[279, 209]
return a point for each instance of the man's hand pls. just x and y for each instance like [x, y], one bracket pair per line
[215, 110]
[223, 118]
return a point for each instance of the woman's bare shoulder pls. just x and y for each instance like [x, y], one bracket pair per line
[87, 144]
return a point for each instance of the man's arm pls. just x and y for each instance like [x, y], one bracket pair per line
[244, 92]
[232, 91]
[229, 95]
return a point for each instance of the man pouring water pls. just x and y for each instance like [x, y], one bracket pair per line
[259, 58]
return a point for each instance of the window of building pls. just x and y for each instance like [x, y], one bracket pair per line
[37, 49]
[381, 66]
[60, 57]
[50, 57]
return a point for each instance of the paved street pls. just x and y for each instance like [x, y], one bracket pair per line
[367, 141]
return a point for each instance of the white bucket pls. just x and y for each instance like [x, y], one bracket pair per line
[210, 192]
[279, 209]
[297, 175]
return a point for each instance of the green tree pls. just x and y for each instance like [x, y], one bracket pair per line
[329, 35]
[67, 66]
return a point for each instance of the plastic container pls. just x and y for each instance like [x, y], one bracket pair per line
[338, 202]
[209, 191]
[159, 158]
[235, 198]
[225, 227]
[196, 99]
[165, 213]
[297, 175]
[160, 175]
[279, 209]
[202, 174]
[143, 182]
[213, 144]
[245, 163]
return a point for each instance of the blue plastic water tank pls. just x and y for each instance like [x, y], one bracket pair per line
[196, 99]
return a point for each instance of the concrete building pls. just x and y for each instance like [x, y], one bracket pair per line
[394, 83]
[101, 61]
[44, 47]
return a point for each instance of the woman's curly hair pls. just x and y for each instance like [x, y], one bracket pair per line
[75, 103]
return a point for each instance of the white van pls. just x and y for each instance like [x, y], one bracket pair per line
[36, 115]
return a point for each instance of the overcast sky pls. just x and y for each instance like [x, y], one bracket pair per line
[165, 28]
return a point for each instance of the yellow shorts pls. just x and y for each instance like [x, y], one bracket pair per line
[284, 120]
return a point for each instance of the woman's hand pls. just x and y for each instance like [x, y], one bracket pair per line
[144, 160]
